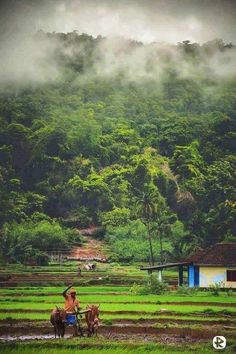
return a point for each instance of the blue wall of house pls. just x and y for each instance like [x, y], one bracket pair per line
[193, 276]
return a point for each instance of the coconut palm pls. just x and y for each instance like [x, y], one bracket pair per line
[146, 207]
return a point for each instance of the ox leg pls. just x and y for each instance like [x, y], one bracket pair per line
[81, 330]
[63, 331]
[89, 331]
[57, 331]
[75, 331]
[96, 331]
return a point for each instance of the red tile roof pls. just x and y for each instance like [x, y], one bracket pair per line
[220, 254]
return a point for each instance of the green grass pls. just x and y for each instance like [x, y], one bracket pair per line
[33, 316]
[46, 297]
[24, 316]
[106, 297]
[59, 289]
[132, 307]
[98, 345]
[71, 268]
[106, 294]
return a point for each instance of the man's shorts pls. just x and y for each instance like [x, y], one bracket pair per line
[71, 319]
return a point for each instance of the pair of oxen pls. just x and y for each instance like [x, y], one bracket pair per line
[59, 320]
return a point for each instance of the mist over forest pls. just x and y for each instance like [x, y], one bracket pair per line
[105, 105]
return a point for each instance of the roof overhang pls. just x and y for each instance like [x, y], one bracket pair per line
[214, 265]
[167, 265]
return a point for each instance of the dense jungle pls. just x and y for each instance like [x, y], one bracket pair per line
[135, 138]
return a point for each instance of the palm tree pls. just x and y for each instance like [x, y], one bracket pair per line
[163, 222]
[146, 209]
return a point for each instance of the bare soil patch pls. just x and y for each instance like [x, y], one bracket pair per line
[92, 249]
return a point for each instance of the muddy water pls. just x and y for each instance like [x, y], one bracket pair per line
[13, 338]
[168, 339]
[10, 338]
[121, 331]
[133, 333]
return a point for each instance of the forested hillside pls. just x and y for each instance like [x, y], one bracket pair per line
[137, 138]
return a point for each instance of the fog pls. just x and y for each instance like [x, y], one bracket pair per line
[161, 21]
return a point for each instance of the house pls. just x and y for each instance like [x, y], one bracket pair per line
[216, 264]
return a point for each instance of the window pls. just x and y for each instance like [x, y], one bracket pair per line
[231, 275]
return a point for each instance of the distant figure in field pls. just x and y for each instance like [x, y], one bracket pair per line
[90, 266]
[93, 266]
[71, 307]
[79, 272]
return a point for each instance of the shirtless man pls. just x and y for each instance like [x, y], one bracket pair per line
[71, 306]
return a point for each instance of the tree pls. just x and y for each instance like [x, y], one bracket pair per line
[182, 242]
[147, 205]
[162, 226]
[116, 217]
[187, 161]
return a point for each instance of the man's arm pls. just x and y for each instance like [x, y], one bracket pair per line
[65, 291]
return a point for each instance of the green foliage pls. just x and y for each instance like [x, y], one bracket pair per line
[181, 241]
[185, 290]
[107, 147]
[215, 288]
[135, 289]
[116, 217]
[187, 161]
[230, 292]
[129, 242]
[153, 286]
[29, 240]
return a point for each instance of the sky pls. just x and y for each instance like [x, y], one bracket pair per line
[144, 20]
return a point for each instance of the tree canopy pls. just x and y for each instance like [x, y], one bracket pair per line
[126, 145]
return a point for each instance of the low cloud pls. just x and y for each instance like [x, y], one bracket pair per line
[27, 58]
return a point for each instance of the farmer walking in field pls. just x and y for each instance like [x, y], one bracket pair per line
[71, 306]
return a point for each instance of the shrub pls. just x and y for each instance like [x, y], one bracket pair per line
[209, 311]
[230, 292]
[42, 258]
[185, 290]
[116, 217]
[153, 286]
[28, 241]
[215, 288]
[135, 289]
[9, 318]
[227, 312]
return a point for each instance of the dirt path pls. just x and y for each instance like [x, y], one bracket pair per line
[91, 250]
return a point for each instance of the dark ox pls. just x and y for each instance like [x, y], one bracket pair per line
[58, 319]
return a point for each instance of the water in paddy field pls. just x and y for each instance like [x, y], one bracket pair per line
[12, 338]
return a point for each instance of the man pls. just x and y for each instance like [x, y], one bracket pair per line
[71, 306]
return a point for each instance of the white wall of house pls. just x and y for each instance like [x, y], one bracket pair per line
[211, 275]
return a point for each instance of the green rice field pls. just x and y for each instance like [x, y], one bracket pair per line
[129, 323]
